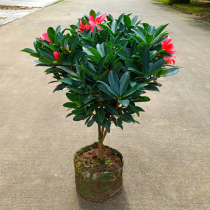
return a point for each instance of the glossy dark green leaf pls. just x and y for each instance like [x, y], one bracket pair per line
[151, 30]
[70, 96]
[51, 34]
[108, 88]
[134, 89]
[171, 72]
[76, 89]
[157, 65]
[101, 114]
[58, 29]
[91, 109]
[124, 102]
[114, 26]
[28, 50]
[87, 98]
[142, 99]
[133, 21]
[139, 34]
[127, 20]
[146, 60]
[70, 105]
[93, 13]
[85, 69]
[149, 38]
[117, 67]
[78, 118]
[47, 53]
[160, 29]
[91, 122]
[124, 82]
[114, 82]
[111, 109]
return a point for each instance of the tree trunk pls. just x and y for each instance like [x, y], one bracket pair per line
[179, 1]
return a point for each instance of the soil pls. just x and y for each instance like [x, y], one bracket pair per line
[7, 7]
[2, 18]
[90, 158]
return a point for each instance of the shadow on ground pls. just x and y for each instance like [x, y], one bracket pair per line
[118, 201]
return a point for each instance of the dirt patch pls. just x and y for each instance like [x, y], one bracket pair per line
[2, 18]
[90, 158]
[7, 7]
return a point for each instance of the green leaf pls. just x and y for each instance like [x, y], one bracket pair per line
[127, 20]
[51, 34]
[95, 52]
[70, 105]
[111, 109]
[101, 114]
[68, 115]
[134, 89]
[124, 102]
[97, 120]
[106, 89]
[87, 98]
[160, 29]
[120, 19]
[149, 38]
[151, 30]
[139, 34]
[70, 96]
[28, 50]
[92, 58]
[133, 21]
[58, 29]
[114, 26]
[171, 72]
[146, 59]
[91, 109]
[124, 82]
[69, 71]
[116, 68]
[76, 89]
[157, 65]
[78, 118]
[100, 48]
[47, 53]
[142, 99]
[119, 123]
[93, 13]
[68, 81]
[101, 65]
[100, 77]
[90, 123]
[114, 82]
[85, 69]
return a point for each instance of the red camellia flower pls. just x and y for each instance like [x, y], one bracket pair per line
[170, 59]
[93, 22]
[167, 46]
[56, 55]
[44, 36]
[83, 27]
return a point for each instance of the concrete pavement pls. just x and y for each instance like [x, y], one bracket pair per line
[166, 157]
[11, 15]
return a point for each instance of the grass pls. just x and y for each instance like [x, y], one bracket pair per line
[199, 8]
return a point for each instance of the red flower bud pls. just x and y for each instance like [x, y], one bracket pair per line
[56, 55]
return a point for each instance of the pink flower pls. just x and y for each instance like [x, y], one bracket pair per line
[67, 47]
[92, 23]
[167, 46]
[56, 55]
[98, 19]
[44, 36]
[170, 59]
[83, 27]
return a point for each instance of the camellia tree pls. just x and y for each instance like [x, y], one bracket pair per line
[106, 65]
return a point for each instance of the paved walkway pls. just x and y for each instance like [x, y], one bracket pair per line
[11, 15]
[166, 157]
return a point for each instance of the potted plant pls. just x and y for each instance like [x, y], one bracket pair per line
[106, 67]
